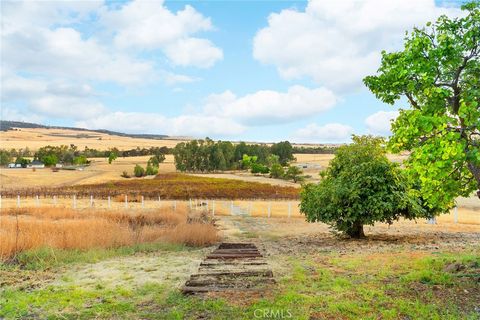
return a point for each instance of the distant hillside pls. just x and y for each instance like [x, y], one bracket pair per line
[10, 125]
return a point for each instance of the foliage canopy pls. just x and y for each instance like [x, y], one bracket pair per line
[360, 187]
[438, 73]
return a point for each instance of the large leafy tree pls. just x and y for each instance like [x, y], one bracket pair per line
[438, 75]
[360, 187]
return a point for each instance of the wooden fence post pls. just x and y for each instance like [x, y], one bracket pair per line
[126, 202]
[74, 201]
[108, 202]
[213, 208]
[18, 201]
[231, 207]
[55, 200]
[91, 201]
[269, 209]
[37, 201]
[289, 209]
[143, 202]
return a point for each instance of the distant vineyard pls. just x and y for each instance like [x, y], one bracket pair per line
[168, 186]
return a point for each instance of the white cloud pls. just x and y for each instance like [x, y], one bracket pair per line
[193, 52]
[269, 106]
[66, 107]
[337, 43]
[194, 125]
[331, 132]
[12, 114]
[380, 122]
[63, 53]
[149, 25]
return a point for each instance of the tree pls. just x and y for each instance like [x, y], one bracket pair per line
[156, 159]
[293, 173]
[5, 157]
[50, 160]
[80, 160]
[112, 156]
[284, 152]
[438, 73]
[138, 171]
[22, 161]
[360, 187]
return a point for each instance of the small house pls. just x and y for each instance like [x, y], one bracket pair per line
[36, 164]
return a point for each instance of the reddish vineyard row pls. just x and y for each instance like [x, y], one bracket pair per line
[168, 186]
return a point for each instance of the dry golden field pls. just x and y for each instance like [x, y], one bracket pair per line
[62, 228]
[99, 171]
[35, 138]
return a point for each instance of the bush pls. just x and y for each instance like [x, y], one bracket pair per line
[151, 170]
[360, 187]
[293, 173]
[277, 171]
[138, 171]
[125, 174]
[259, 168]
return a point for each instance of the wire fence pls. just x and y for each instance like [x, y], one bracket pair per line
[252, 208]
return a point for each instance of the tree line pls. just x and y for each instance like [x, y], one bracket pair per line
[208, 155]
[51, 155]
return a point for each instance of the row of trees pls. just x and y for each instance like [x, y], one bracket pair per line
[51, 155]
[208, 155]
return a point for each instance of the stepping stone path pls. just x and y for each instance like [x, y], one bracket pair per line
[231, 267]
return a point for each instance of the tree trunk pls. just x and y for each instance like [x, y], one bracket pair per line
[356, 231]
[475, 170]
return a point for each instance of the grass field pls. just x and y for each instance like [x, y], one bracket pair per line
[424, 272]
[61, 228]
[100, 171]
[35, 138]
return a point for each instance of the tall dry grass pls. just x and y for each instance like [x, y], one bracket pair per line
[63, 228]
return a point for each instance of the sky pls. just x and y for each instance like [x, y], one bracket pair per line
[237, 70]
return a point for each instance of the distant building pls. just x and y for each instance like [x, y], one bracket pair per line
[36, 164]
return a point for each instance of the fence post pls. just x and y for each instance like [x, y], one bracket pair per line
[455, 215]
[143, 202]
[74, 201]
[174, 205]
[108, 202]
[231, 207]
[91, 201]
[269, 209]
[37, 201]
[213, 208]
[55, 200]
[126, 202]
[159, 202]
[18, 201]
[289, 209]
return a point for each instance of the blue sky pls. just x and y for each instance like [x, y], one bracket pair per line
[238, 70]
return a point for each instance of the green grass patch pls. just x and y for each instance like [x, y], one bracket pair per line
[46, 258]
